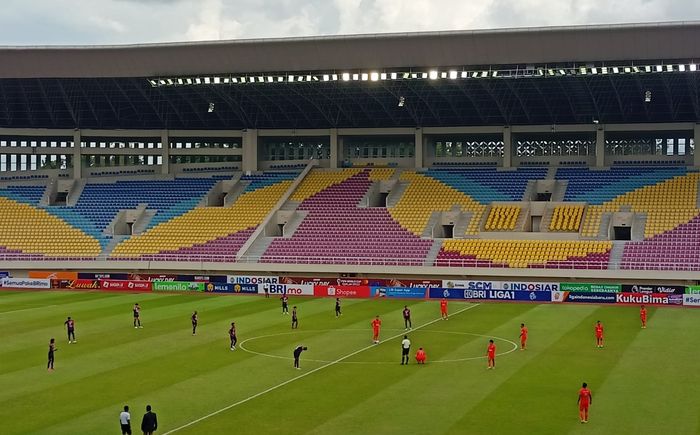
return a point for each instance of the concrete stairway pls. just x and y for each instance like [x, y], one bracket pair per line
[111, 245]
[396, 193]
[433, 253]
[616, 254]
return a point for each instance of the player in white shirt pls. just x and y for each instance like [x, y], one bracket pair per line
[125, 421]
[405, 348]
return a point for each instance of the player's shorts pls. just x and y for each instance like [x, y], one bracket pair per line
[583, 407]
[126, 429]
[598, 336]
[404, 351]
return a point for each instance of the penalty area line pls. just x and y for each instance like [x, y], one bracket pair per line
[303, 375]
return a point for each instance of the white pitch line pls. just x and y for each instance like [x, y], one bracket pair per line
[289, 381]
[26, 309]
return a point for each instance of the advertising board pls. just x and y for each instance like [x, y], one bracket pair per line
[398, 292]
[342, 291]
[177, 286]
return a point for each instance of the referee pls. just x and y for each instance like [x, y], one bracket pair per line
[405, 348]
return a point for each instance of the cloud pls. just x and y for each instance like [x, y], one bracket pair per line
[147, 21]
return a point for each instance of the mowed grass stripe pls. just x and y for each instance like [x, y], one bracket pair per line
[246, 375]
[321, 394]
[431, 399]
[552, 378]
[649, 390]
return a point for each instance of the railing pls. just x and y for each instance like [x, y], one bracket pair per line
[360, 261]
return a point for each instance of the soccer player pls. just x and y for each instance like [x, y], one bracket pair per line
[297, 353]
[295, 320]
[376, 325]
[52, 349]
[420, 356]
[405, 348]
[523, 336]
[70, 325]
[137, 316]
[337, 308]
[195, 319]
[491, 355]
[407, 318]
[599, 334]
[443, 309]
[585, 399]
[125, 421]
[643, 316]
[285, 304]
[232, 335]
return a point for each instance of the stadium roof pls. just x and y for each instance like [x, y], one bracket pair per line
[559, 75]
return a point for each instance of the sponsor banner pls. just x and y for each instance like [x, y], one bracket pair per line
[4, 274]
[25, 283]
[286, 289]
[86, 275]
[217, 287]
[693, 290]
[471, 285]
[497, 295]
[139, 286]
[558, 296]
[342, 291]
[529, 286]
[590, 288]
[691, 300]
[252, 279]
[586, 297]
[653, 288]
[76, 284]
[648, 298]
[151, 277]
[52, 274]
[398, 292]
[372, 282]
[177, 286]
[203, 278]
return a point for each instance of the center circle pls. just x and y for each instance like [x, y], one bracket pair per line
[451, 360]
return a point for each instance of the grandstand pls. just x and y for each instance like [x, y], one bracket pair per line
[528, 152]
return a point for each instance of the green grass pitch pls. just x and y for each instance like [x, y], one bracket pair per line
[643, 381]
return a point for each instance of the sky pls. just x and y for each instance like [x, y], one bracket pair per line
[91, 22]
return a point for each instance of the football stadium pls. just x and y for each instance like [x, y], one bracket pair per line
[251, 235]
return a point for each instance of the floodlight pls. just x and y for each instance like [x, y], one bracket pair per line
[334, 77]
[604, 70]
[433, 74]
[669, 68]
[635, 69]
[681, 68]
[616, 70]
[280, 79]
[562, 72]
[356, 77]
[484, 74]
[365, 77]
[189, 81]
[464, 74]
[374, 76]
[308, 78]
[233, 80]
[594, 70]
[211, 108]
[180, 81]
[443, 75]
[402, 101]
[217, 80]
[394, 76]
[453, 74]
[153, 82]
[300, 78]
[290, 79]
[659, 68]
[207, 80]
[382, 76]
[647, 68]
[475, 74]
[494, 73]
[346, 77]
[326, 77]
[628, 70]
[198, 81]
[647, 96]
[170, 82]
[693, 67]
[424, 75]
[270, 79]
[551, 72]
[413, 76]
[583, 70]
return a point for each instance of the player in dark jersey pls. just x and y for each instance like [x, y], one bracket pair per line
[52, 349]
[137, 316]
[407, 318]
[232, 335]
[285, 304]
[337, 308]
[295, 320]
[195, 319]
[297, 353]
[70, 326]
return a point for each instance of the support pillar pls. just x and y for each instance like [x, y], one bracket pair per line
[696, 142]
[334, 148]
[600, 147]
[250, 150]
[165, 152]
[507, 147]
[77, 155]
[419, 146]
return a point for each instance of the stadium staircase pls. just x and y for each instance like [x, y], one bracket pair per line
[618, 247]
[433, 253]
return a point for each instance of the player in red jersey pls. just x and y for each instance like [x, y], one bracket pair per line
[376, 325]
[643, 316]
[420, 356]
[599, 334]
[523, 336]
[584, 401]
[491, 354]
[443, 309]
